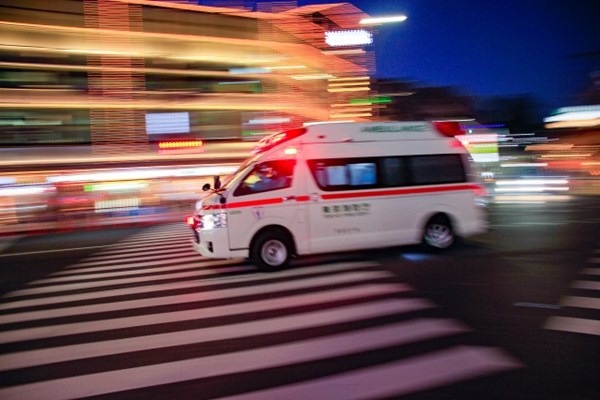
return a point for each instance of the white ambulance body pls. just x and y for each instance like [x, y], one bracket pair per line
[333, 187]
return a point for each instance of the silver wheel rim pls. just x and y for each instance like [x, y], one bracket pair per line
[274, 252]
[439, 235]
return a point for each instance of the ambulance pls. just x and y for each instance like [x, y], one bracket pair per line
[342, 186]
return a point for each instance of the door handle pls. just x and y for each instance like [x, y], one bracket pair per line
[314, 197]
[288, 198]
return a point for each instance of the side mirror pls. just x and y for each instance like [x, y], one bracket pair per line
[206, 187]
[217, 182]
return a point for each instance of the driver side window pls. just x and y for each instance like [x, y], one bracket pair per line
[267, 176]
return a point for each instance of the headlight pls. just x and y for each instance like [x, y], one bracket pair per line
[212, 221]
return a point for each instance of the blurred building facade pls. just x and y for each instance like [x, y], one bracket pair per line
[128, 73]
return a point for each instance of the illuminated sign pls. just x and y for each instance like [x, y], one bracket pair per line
[167, 123]
[354, 37]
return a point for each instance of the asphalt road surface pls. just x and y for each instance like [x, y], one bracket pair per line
[136, 314]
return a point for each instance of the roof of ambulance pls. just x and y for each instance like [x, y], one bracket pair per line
[370, 131]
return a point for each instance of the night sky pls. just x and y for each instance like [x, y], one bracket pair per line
[490, 47]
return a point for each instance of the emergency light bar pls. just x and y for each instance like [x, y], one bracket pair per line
[271, 141]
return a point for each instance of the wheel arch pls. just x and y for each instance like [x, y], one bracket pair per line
[276, 228]
[437, 214]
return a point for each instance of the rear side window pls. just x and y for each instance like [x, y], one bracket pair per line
[432, 169]
[344, 174]
[395, 171]
[385, 172]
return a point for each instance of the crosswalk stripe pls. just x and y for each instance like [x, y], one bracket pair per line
[304, 283]
[143, 279]
[156, 237]
[418, 373]
[118, 254]
[149, 243]
[331, 268]
[591, 285]
[126, 262]
[159, 239]
[203, 335]
[255, 277]
[307, 299]
[347, 343]
[124, 269]
[575, 325]
[582, 302]
[160, 233]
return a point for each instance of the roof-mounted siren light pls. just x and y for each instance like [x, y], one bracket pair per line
[273, 140]
[448, 128]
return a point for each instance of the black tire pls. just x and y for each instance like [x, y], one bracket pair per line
[438, 233]
[271, 251]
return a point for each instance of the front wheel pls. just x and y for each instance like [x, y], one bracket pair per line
[271, 251]
[438, 233]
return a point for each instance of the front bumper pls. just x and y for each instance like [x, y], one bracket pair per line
[214, 243]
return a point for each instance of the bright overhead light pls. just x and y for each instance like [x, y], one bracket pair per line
[353, 37]
[383, 20]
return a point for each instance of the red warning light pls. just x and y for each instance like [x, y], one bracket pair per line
[180, 144]
[448, 128]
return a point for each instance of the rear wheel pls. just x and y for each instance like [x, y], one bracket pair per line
[438, 233]
[271, 251]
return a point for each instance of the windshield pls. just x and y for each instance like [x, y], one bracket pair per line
[240, 171]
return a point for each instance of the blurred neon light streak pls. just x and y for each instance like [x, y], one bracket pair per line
[283, 67]
[525, 182]
[358, 89]
[532, 189]
[158, 71]
[263, 121]
[23, 191]
[313, 76]
[142, 174]
[533, 198]
[115, 186]
[566, 155]
[146, 35]
[346, 84]
[238, 82]
[383, 20]
[351, 115]
[148, 106]
[517, 165]
[348, 51]
[354, 78]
